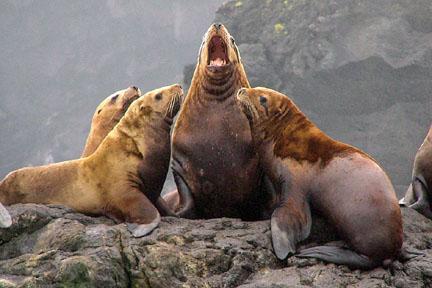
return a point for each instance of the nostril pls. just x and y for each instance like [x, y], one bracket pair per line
[134, 87]
[217, 25]
[178, 86]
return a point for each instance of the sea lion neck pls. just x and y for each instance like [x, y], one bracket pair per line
[217, 83]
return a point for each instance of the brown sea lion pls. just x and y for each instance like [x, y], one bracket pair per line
[214, 164]
[107, 115]
[130, 164]
[312, 172]
[419, 193]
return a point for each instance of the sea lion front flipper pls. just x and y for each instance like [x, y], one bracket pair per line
[420, 191]
[140, 230]
[340, 256]
[408, 199]
[290, 224]
[186, 199]
[5, 217]
[164, 208]
[137, 211]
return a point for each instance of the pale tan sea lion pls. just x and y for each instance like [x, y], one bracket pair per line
[107, 115]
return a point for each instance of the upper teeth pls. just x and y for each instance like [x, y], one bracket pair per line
[218, 62]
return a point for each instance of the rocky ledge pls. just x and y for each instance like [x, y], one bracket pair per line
[51, 246]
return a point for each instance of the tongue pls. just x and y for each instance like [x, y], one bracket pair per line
[217, 62]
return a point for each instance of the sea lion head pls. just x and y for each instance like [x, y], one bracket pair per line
[162, 103]
[260, 104]
[218, 52]
[263, 107]
[112, 109]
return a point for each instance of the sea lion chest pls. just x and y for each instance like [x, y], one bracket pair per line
[212, 144]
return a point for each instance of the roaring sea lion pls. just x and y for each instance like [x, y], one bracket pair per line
[419, 193]
[312, 172]
[130, 164]
[107, 115]
[214, 164]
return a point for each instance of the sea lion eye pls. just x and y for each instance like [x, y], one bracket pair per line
[158, 96]
[100, 110]
[263, 101]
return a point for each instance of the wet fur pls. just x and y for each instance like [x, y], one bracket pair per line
[213, 154]
[339, 181]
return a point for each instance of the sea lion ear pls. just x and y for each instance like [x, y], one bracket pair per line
[146, 110]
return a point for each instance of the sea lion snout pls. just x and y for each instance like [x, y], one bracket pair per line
[217, 25]
[179, 87]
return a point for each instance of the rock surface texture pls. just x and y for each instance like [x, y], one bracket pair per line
[54, 247]
[361, 70]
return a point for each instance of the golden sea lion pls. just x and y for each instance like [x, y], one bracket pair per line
[128, 166]
[107, 115]
[312, 172]
[419, 193]
[214, 163]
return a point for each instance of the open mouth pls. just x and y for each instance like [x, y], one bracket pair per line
[217, 51]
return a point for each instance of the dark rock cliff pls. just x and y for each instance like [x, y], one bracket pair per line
[54, 247]
[361, 70]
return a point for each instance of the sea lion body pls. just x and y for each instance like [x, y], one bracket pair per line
[107, 115]
[120, 178]
[311, 172]
[419, 193]
[213, 159]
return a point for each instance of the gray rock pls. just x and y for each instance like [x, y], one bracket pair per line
[50, 246]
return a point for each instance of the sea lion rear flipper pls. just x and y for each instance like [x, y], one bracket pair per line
[340, 256]
[186, 199]
[290, 224]
[423, 204]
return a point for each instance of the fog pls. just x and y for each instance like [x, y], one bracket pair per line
[59, 59]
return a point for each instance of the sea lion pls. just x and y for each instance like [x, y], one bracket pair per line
[213, 161]
[312, 172]
[419, 193]
[107, 115]
[130, 164]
